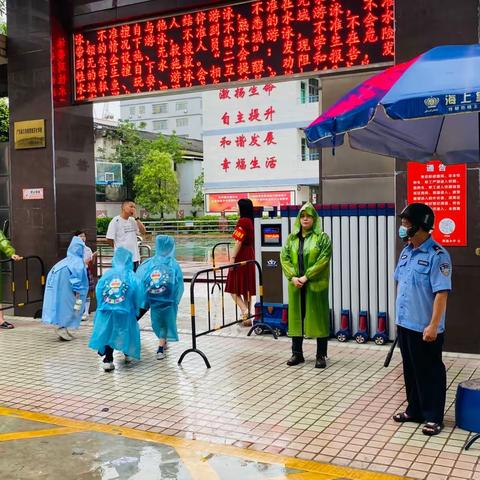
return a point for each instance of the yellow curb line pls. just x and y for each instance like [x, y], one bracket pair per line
[305, 476]
[50, 432]
[202, 446]
[198, 467]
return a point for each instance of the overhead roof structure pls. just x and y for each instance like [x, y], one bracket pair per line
[86, 13]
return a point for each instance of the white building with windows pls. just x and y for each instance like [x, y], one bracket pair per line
[254, 146]
[180, 114]
[187, 172]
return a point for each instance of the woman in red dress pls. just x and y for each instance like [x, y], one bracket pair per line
[241, 279]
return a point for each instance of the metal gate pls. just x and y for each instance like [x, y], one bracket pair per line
[363, 261]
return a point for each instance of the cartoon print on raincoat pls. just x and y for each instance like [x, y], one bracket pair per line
[118, 302]
[317, 251]
[161, 279]
[65, 279]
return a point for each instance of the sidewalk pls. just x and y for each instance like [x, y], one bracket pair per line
[248, 399]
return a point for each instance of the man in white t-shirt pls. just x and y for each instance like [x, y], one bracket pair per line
[123, 230]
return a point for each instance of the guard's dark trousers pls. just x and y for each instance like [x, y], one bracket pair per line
[424, 374]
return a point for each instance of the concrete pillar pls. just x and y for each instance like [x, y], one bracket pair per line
[64, 168]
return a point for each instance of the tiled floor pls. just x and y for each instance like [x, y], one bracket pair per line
[249, 398]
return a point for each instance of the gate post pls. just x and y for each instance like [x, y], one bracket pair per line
[63, 171]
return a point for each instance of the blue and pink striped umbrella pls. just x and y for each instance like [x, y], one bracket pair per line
[418, 110]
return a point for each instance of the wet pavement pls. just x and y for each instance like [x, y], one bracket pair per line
[39, 446]
[249, 416]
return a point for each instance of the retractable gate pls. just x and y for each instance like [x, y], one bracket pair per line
[363, 261]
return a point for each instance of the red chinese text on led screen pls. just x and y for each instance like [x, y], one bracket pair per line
[60, 70]
[255, 40]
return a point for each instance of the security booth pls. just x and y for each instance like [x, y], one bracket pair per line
[361, 290]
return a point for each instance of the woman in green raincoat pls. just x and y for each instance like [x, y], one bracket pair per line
[305, 262]
[7, 249]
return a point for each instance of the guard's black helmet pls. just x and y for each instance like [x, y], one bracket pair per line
[420, 215]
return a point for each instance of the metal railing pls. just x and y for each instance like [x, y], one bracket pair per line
[214, 264]
[189, 227]
[27, 282]
[105, 255]
[224, 324]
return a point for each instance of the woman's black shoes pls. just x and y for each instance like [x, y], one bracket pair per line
[296, 359]
[321, 362]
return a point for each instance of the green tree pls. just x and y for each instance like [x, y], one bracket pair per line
[133, 148]
[130, 151]
[156, 184]
[198, 199]
[169, 144]
[4, 120]
[3, 13]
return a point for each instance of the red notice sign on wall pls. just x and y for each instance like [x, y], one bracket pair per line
[444, 189]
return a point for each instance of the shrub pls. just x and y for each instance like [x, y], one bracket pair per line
[102, 225]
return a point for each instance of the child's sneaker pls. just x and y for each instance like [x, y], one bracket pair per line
[108, 366]
[70, 334]
[62, 333]
[128, 359]
[160, 353]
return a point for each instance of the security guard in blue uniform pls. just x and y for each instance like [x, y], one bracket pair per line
[423, 274]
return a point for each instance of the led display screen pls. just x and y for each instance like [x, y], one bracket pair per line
[271, 235]
[247, 41]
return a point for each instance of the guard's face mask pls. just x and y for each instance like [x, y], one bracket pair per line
[403, 232]
[407, 232]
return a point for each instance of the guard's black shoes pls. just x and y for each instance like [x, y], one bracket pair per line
[295, 359]
[321, 362]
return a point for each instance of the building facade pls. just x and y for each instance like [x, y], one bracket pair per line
[166, 114]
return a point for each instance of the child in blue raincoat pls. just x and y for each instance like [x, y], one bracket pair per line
[118, 302]
[65, 291]
[161, 281]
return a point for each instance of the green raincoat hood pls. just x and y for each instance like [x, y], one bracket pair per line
[310, 210]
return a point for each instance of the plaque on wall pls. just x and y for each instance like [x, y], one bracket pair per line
[29, 134]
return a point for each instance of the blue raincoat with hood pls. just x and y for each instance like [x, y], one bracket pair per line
[65, 279]
[118, 301]
[161, 281]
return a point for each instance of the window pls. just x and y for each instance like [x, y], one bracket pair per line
[141, 110]
[160, 124]
[160, 108]
[308, 154]
[182, 122]
[132, 111]
[181, 107]
[310, 90]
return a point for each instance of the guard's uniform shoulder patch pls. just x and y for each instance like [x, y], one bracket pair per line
[438, 248]
[445, 269]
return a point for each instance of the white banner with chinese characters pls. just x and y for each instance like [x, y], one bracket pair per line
[252, 137]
